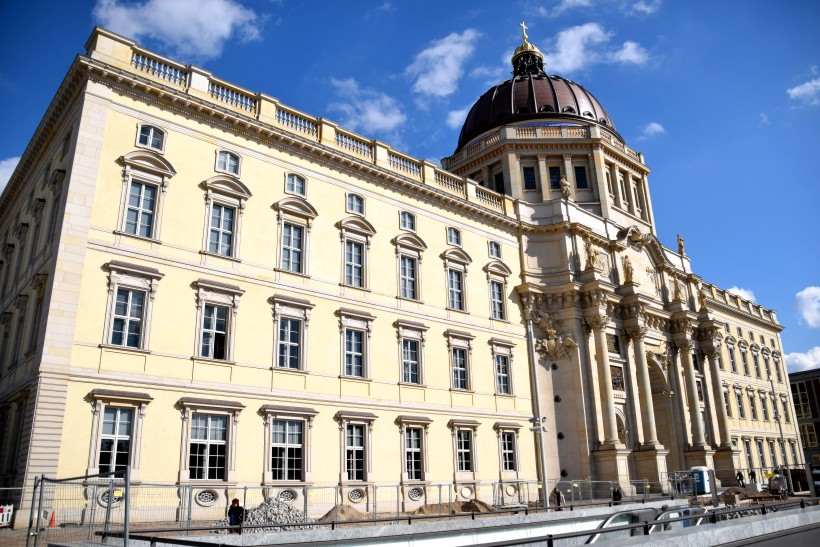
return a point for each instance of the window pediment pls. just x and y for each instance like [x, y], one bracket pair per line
[229, 186]
[455, 254]
[498, 268]
[297, 207]
[357, 225]
[146, 160]
[410, 240]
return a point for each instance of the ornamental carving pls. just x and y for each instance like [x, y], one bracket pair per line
[553, 345]
[592, 260]
[629, 271]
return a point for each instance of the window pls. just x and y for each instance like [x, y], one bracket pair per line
[793, 448]
[354, 264]
[129, 309]
[227, 162]
[772, 452]
[453, 236]
[214, 335]
[498, 182]
[413, 456]
[530, 178]
[408, 267]
[287, 450]
[609, 183]
[555, 177]
[617, 374]
[355, 204]
[760, 453]
[294, 184]
[802, 408]
[613, 344]
[726, 403]
[151, 137]
[115, 440]
[497, 309]
[741, 412]
[699, 389]
[208, 447]
[732, 362]
[139, 216]
[581, 177]
[808, 435]
[411, 369]
[767, 366]
[756, 361]
[764, 405]
[745, 360]
[460, 369]
[502, 375]
[747, 445]
[292, 247]
[777, 370]
[290, 343]
[464, 450]
[455, 289]
[784, 403]
[508, 451]
[355, 452]
[495, 249]
[221, 233]
[354, 353]
[752, 405]
[407, 221]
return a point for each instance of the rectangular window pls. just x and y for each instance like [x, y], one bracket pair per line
[408, 277]
[498, 182]
[555, 177]
[530, 181]
[354, 264]
[752, 406]
[290, 343]
[699, 389]
[411, 370]
[508, 451]
[767, 366]
[745, 360]
[765, 408]
[354, 452]
[786, 414]
[495, 249]
[732, 362]
[354, 353]
[287, 450]
[413, 453]
[497, 300]
[214, 332]
[581, 177]
[292, 245]
[455, 287]
[139, 217]
[126, 328]
[502, 375]
[760, 453]
[808, 435]
[617, 374]
[464, 450]
[208, 450]
[727, 404]
[800, 393]
[741, 412]
[453, 236]
[777, 371]
[407, 221]
[220, 239]
[756, 361]
[115, 440]
[460, 380]
[295, 185]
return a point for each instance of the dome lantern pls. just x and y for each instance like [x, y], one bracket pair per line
[527, 58]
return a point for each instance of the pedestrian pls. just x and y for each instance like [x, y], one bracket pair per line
[752, 476]
[236, 515]
[617, 495]
[741, 482]
[557, 499]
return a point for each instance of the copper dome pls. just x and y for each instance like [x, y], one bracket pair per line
[531, 94]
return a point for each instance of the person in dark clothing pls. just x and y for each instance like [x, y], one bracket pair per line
[557, 499]
[753, 476]
[741, 482]
[236, 515]
[617, 495]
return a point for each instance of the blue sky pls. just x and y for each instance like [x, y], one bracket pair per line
[722, 97]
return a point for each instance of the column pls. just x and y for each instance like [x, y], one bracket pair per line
[650, 433]
[610, 424]
[685, 350]
[720, 403]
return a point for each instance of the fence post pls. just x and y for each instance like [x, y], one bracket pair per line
[109, 500]
[39, 509]
[244, 508]
[125, 505]
[31, 509]
[92, 520]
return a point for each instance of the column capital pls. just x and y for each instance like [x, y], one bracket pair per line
[636, 331]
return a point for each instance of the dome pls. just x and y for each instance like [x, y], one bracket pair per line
[531, 94]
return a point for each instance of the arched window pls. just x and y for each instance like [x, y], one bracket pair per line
[295, 184]
[151, 137]
[227, 162]
[407, 221]
[453, 236]
[355, 204]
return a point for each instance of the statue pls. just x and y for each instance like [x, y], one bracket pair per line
[702, 299]
[591, 255]
[681, 245]
[565, 188]
[678, 290]
[629, 272]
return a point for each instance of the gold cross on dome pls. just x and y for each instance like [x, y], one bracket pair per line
[524, 36]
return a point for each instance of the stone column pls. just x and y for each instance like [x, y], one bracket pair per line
[720, 403]
[598, 323]
[685, 350]
[650, 433]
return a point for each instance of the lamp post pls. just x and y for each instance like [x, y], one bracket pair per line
[782, 438]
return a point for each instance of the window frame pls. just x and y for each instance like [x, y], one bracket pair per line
[164, 132]
[502, 348]
[505, 430]
[354, 196]
[297, 212]
[464, 425]
[230, 192]
[272, 413]
[229, 409]
[364, 420]
[356, 230]
[410, 246]
[491, 244]
[228, 153]
[124, 275]
[420, 423]
[290, 175]
[498, 306]
[145, 167]
[101, 399]
[411, 332]
[357, 321]
[216, 294]
[288, 307]
[413, 219]
[533, 165]
[458, 340]
[453, 236]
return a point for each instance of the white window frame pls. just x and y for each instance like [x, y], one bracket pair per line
[217, 294]
[471, 426]
[288, 176]
[271, 413]
[145, 167]
[462, 341]
[153, 127]
[505, 430]
[287, 307]
[132, 277]
[294, 211]
[360, 321]
[228, 153]
[498, 307]
[356, 229]
[422, 424]
[503, 348]
[410, 331]
[354, 196]
[227, 192]
[355, 274]
[741, 409]
[365, 420]
[491, 244]
[413, 220]
[223, 231]
[456, 259]
[411, 246]
[231, 409]
[453, 236]
[288, 231]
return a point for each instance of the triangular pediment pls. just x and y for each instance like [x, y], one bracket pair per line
[145, 160]
[410, 240]
[296, 206]
[357, 224]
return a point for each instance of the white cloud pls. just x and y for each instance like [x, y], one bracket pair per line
[748, 294]
[798, 362]
[764, 119]
[808, 92]
[6, 169]
[577, 47]
[455, 118]
[563, 6]
[631, 52]
[645, 7]
[438, 68]
[808, 304]
[652, 129]
[366, 109]
[196, 28]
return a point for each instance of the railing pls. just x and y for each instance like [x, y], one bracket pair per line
[450, 183]
[354, 144]
[232, 96]
[489, 199]
[404, 163]
[292, 119]
[162, 70]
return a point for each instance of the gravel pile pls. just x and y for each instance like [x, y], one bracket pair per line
[273, 512]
